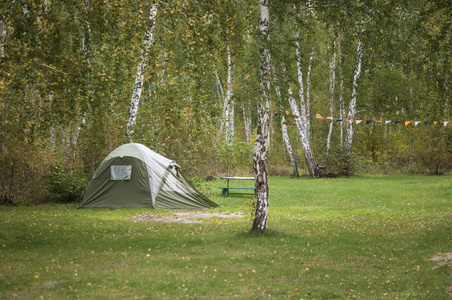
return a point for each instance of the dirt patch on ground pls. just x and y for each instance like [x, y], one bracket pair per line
[185, 217]
[442, 259]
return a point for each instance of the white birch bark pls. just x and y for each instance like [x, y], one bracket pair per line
[227, 122]
[260, 146]
[289, 148]
[341, 88]
[229, 93]
[225, 119]
[308, 88]
[446, 79]
[411, 110]
[219, 86]
[139, 77]
[2, 38]
[300, 77]
[86, 34]
[247, 122]
[352, 104]
[285, 134]
[230, 136]
[304, 128]
[332, 86]
[446, 94]
[299, 122]
[86, 39]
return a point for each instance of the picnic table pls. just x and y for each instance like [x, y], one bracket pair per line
[225, 190]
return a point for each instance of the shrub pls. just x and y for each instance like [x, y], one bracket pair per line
[66, 186]
[433, 152]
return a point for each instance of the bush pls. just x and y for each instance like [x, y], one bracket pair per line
[66, 186]
[433, 151]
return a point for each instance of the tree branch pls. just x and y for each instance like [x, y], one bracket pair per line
[54, 69]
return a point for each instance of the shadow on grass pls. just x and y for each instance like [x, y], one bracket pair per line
[267, 233]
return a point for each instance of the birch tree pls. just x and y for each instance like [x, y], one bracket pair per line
[227, 120]
[2, 38]
[352, 103]
[139, 77]
[229, 93]
[86, 32]
[341, 87]
[260, 146]
[304, 126]
[332, 85]
[247, 123]
[285, 134]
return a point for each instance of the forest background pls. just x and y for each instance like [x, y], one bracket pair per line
[370, 81]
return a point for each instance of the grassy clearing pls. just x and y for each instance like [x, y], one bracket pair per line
[368, 237]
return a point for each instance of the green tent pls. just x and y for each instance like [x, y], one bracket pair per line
[135, 176]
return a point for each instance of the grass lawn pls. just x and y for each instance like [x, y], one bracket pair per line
[370, 237]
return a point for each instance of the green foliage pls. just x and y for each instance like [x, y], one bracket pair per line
[67, 69]
[234, 158]
[434, 150]
[66, 187]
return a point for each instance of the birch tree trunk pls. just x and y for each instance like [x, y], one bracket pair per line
[247, 122]
[446, 96]
[227, 122]
[305, 123]
[86, 47]
[229, 94]
[230, 133]
[139, 77]
[447, 72]
[308, 91]
[284, 132]
[332, 85]
[298, 119]
[352, 105]
[286, 139]
[86, 34]
[341, 88]
[2, 38]
[260, 146]
[220, 90]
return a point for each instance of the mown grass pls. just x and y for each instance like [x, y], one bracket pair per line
[368, 237]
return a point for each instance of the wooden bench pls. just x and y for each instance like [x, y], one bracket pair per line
[225, 190]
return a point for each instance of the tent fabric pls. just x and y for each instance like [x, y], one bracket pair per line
[132, 175]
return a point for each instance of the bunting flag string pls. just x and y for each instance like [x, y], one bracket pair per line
[386, 122]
